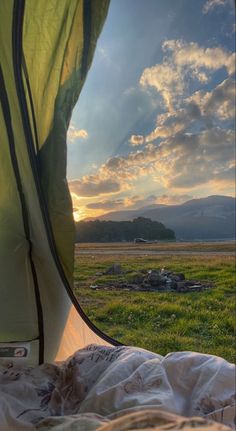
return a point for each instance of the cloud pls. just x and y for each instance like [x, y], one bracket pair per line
[207, 108]
[137, 140]
[166, 79]
[219, 103]
[173, 199]
[197, 57]
[74, 133]
[128, 202]
[170, 124]
[92, 185]
[138, 202]
[212, 4]
[182, 63]
[127, 168]
[189, 160]
[106, 205]
[116, 174]
[181, 161]
[192, 143]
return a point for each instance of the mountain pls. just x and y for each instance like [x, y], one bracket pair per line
[206, 218]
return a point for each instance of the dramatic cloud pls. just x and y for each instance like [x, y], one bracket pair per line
[173, 199]
[171, 124]
[138, 202]
[191, 144]
[166, 79]
[135, 202]
[212, 4]
[127, 168]
[74, 133]
[202, 107]
[184, 62]
[106, 205]
[196, 57]
[93, 185]
[190, 160]
[182, 161]
[219, 103]
[136, 140]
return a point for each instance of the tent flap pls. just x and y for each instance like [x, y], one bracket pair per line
[46, 49]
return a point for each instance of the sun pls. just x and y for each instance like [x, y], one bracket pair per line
[77, 216]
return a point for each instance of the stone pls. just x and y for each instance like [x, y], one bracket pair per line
[114, 269]
[154, 278]
[196, 287]
[170, 284]
[180, 276]
[138, 278]
[98, 274]
[181, 286]
[174, 285]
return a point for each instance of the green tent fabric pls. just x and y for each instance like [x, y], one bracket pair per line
[46, 48]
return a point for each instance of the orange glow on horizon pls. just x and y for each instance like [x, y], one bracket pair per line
[84, 213]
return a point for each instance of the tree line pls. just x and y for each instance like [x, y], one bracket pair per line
[116, 231]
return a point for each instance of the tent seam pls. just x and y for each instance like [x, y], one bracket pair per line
[17, 24]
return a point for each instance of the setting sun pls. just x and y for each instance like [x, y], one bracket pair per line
[76, 216]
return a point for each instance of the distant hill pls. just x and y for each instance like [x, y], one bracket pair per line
[206, 218]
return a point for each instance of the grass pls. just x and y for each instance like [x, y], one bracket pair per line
[224, 246]
[163, 322]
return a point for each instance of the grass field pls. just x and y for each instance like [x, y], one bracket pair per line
[163, 322]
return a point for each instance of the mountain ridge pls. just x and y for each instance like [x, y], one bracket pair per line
[212, 217]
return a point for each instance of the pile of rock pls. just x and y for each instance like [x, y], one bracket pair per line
[153, 280]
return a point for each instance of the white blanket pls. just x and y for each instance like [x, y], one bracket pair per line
[98, 383]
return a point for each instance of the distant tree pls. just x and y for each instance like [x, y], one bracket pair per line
[111, 231]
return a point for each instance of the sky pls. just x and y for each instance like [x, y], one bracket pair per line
[155, 120]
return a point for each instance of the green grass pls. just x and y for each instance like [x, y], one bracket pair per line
[163, 322]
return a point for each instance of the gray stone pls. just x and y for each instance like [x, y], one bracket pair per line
[180, 276]
[154, 278]
[181, 286]
[138, 278]
[114, 269]
[174, 285]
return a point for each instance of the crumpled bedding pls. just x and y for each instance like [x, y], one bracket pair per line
[98, 384]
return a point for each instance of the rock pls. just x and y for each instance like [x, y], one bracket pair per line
[181, 286]
[196, 287]
[154, 278]
[114, 269]
[138, 278]
[146, 286]
[169, 284]
[180, 276]
[174, 285]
